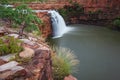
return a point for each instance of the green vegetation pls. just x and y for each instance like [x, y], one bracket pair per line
[95, 12]
[116, 23]
[4, 1]
[21, 1]
[22, 17]
[6, 14]
[26, 19]
[9, 45]
[75, 9]
[64, 63]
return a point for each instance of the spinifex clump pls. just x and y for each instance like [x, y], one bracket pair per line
[9, 45]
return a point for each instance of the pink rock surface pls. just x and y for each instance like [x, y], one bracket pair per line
[70, 77]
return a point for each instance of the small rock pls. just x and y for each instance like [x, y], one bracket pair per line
[14, 35]
[70, 77]
[10, 70]
[2, 62]
[7, 57]
[31, 43]
[32, 39]
[14, 71]
[27, 53]
[8, 66]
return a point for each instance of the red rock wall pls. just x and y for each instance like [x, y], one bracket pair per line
[46, 6]
[100, 4]
[109, 7]
[46, 28]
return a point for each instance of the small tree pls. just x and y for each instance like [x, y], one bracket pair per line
[26, 19]
[21, 16]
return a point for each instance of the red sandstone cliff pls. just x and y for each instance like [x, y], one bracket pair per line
[110, 9]
[46, 27]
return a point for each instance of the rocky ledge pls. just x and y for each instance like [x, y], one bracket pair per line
[32, 63]
[39, 66]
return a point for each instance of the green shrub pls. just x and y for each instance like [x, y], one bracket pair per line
[9, 45]
[64, 13]
[64, 63]
[3, 1]
[22, 17]
[99, 11]
[6, 12]
[116, 22]
[68, 11]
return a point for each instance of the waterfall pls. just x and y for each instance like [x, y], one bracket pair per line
[58, 24]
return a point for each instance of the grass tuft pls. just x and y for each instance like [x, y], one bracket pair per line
[64, 63]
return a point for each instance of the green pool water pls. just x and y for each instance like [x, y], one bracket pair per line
[97, 48]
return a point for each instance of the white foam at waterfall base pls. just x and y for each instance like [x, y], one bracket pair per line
[58, 24]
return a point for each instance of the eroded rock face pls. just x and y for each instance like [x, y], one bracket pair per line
[40, 66]
[46, 28]
[47, 6]
[2, 62]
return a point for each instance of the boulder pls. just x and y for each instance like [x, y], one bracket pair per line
[27, 53]
[7, 57]
[70, 77]
[10, 70]
[2, 62]
[8, 66]
[26, 41]
[14, 35]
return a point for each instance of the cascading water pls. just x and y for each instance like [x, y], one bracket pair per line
[58, 24]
